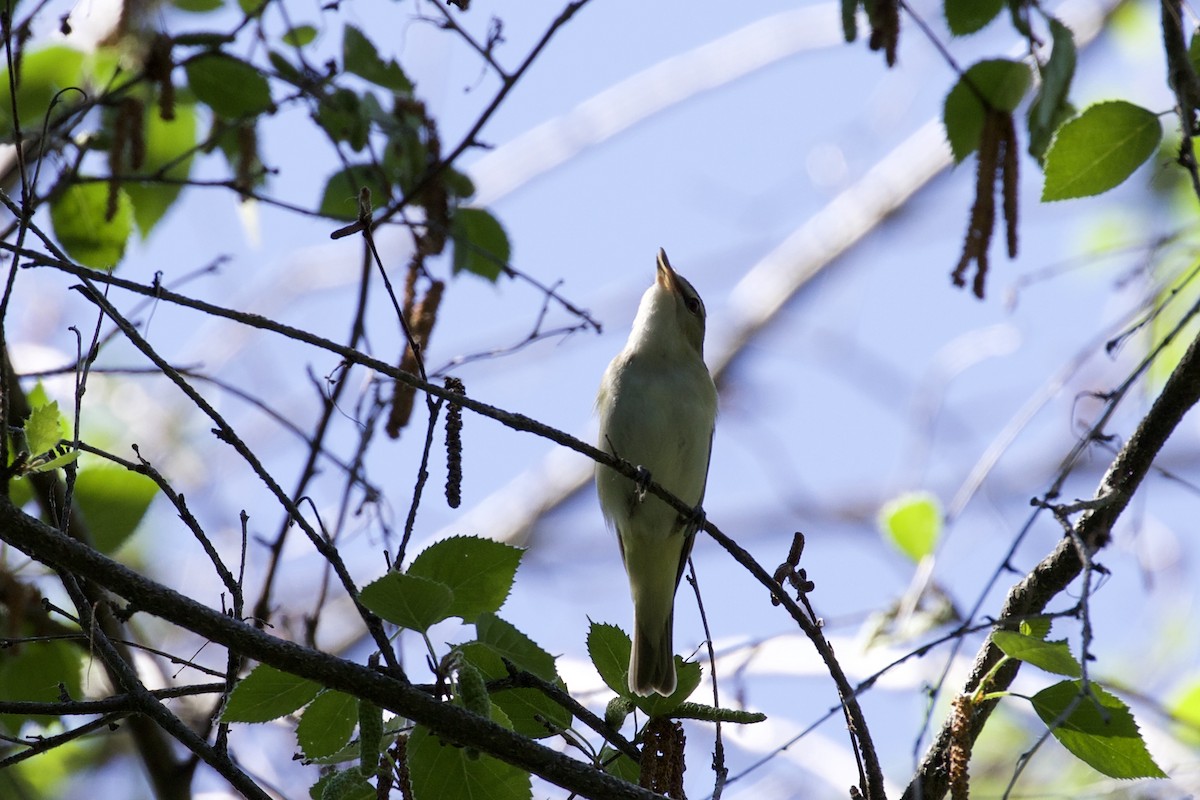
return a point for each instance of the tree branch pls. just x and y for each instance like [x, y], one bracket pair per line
[1058, 569]
[449, 722]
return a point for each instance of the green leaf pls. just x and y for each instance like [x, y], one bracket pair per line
[688, 674]
[32, 672]
[1100, 730]
[1194, 51]
[968, 16]
[346, 784]
[197, 6]
[409, 601]
[360, 58]
[620, 765]
[252, 8]
[266, 694]
[913, 523]
[326, 725]
[1185, 710]
[1050, 108]
[707, 713]
[442, 770]
[458, 184]
[231, 88]
[530, 712]
[1002, 82]
[113, 500]
[340, 199]
[1099, 149]
[344, 116]
[170, 144]
[609, 648]
[479, 571]
[480, 243]
[78, 217]
[506, 640]
[43, 73]
[45, 427]
[300, 35]
[1038, 627]
[1051, 656]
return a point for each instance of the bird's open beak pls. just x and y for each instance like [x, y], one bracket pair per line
[666, 276]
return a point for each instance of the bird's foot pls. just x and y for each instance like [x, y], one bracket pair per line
[695, 520]
[641, 483]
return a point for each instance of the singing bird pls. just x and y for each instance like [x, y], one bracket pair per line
[657, 406]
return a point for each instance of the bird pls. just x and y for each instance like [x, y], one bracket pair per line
[657, 406]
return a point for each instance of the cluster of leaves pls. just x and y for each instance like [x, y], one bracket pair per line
[149, 129]
[469, 579]
[112, 498]
[49, 666]
[1088, 720]
[1082, 153]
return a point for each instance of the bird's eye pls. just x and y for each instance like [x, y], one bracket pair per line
[693, 305]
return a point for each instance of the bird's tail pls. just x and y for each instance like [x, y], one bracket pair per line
[652, 661]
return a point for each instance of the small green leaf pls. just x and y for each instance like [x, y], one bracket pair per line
[340, 199]
[1051, 656]
[285, 68]
[688, 674]
[326, 725]
[78, 217]
[1194, 51]
[968, 16]
[507, 641]
[409, 601]
[458, 184]
[360, 58]
[912, 523]
[300, 35]
[344, 116]
[1099, 149]
[609, 648]
[266, 694]
[479, 571]
[1099, 730]
[480, 243]
[530, 712]
[197, 6]
[45, 427]
[1050, 108]
[252, 8]
[1037, 627]
[113, 500]
[346, 784]
[33, 672]
[231, 88]
[1002, 82]
[43, 73]
[438, 769]
[706, 713]
[1185, 710]
[170, 144]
